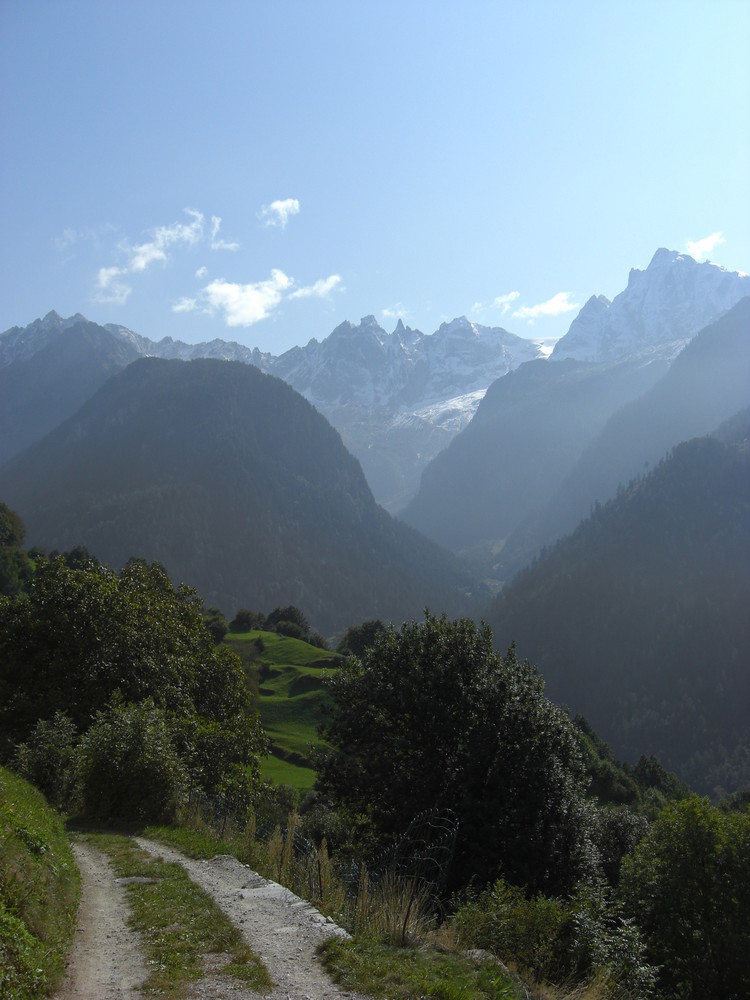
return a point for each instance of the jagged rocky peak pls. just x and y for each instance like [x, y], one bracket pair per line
[460, 326]
[667, 303]
[22, 342]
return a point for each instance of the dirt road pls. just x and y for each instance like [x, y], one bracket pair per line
[107, 963]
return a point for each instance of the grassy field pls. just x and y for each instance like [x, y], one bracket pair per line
[289, 676]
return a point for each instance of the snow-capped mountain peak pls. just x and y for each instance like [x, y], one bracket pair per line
[669, 302]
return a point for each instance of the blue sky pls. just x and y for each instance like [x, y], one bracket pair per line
[261, 171]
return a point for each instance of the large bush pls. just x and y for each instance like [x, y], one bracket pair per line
[129, 768]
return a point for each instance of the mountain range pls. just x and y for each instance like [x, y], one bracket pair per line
[204, 459]
[396, 399]
[238, 486]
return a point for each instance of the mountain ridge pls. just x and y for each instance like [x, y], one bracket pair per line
[234, 482]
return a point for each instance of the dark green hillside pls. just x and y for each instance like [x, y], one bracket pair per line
[639, 619]
[38, 393]
[528, 432]
[707, 383]
[237, 485]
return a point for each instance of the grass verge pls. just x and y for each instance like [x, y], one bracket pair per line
[39, 892]
[382, 970]
[180, 925]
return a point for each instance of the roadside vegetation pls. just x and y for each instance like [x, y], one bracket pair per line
[39, 891]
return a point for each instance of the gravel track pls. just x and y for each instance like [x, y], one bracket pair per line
[107, 962]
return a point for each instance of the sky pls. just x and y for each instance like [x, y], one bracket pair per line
[262, 171]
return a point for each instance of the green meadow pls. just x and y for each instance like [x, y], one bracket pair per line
[288, 675]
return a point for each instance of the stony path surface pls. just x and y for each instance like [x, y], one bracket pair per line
[106, 962]
[281, 928]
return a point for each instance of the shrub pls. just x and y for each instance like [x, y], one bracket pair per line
[48, 758]
[128, 766]
[578, 940]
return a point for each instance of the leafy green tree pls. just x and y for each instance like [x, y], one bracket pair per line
[216, 623]
[287, 615]
[82, 636]
[432, 716]
[357, 638]
[688, 886]
[245, 620]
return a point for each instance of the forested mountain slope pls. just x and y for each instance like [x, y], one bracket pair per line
[39, 390]
[238, 486]
[529, 430]
[639, 619]
[707, 382]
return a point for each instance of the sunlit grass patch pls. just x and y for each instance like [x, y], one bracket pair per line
[180, 925]
[382, 970]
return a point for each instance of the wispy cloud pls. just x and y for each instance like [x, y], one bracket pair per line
[217, 244]
[243, 305]
[109, 288]
[185, 305]
[321, 289]
[399, 311]
[137, 257]
[503, 302]
[555, 306]
[201, 272]
[702, 248]
[155, 249]
[485, 312]
[278, 212]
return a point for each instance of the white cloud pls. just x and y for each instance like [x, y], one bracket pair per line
[225, 245]
[321, 289]
[278, 212]
[220, 244]
[243, 305]
[201, 272]
[702, 248]
[185, 305]
[555, 306]
[502, 302]
[164, 237]
[399, 311]
[108, 288]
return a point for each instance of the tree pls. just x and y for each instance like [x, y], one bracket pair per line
[245, 620]
[216, 623]
[290, 614]
[688, 886]
[128, 765]
[84, 636]
[15, 566]
[357, 638]
[431, 716]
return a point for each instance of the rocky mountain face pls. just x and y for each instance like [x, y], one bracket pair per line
[398, 399]
[670, 301]
[239, 487]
